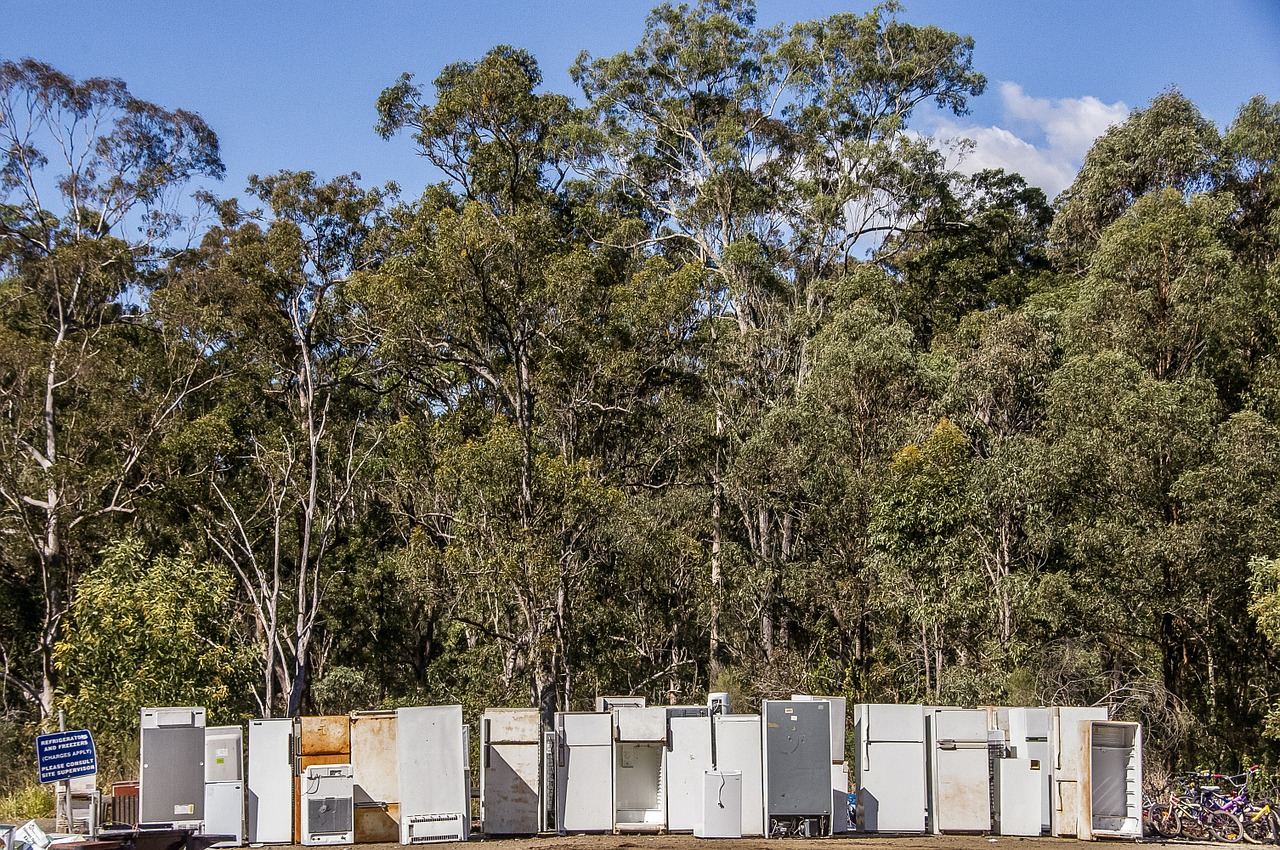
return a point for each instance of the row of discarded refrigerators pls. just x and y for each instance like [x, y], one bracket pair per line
[405, 775]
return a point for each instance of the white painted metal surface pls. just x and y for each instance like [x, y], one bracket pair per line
[839, 799]
[721, 805]
[1111, 780]
[431, 747]
[510, 765]
[738, 748]
[327, 810]
[889, 767]
[223, 753]
[1029, 739]
[959, 770]
[687, 761]
[269, 801]
[224, 811]
[1068, 766]
[584, 772]
[1018, 797]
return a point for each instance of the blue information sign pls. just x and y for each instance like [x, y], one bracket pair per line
[65, 755]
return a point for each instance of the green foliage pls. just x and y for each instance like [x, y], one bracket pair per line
[149, 630]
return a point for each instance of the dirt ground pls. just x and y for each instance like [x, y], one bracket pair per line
[854, 842]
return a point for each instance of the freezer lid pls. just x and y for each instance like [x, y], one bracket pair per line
[584, 728]
[511, 725]
[641, 724]
[960, 725]
[882, 722]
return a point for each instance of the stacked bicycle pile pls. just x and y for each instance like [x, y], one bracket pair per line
[1212, 806]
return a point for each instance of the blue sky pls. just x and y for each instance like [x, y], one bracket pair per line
[289, 84]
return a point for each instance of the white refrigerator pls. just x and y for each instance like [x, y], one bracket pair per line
[640, 769]
[738, 749]
[224, 783]
[1029, 730]
[510, 765]
[1111, 769]
[269, 802]
[889, 767]
[584, 772]
[376, 777]
[435, 792]
[687, 760]
[1066, 739]
[959, 770]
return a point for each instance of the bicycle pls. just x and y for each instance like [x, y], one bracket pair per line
[1190, 814]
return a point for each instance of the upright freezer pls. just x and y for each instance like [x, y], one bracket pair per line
[688, 759]
[797, 767]
[435, 791]
[269, 802]
[738, 741]
[889, 767]
[959, 770]
[171, 781]
[640, 769]
[510, 764]
[1111, 780]
[1029, 730]
[375, 774]
[1066, 739]
[584, 772]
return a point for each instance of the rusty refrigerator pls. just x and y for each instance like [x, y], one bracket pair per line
[376, 777]
[959, 770]
[510, 771]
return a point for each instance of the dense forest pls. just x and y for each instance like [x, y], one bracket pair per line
[714, 375]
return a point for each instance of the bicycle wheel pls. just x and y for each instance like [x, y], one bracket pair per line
[1164, 822]
[1225, 826]
[1194, 825]
[1258, 828]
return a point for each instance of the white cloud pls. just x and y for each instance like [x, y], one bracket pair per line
[1048, 141]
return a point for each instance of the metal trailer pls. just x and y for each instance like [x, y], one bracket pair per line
[171, 781]
[375, 769]
[1029, 730]
[640, 769]
[224, 783]
[317, 742]
[435, 790]
[889, 767]
[1065, 740]
[1110, 780]
[327, 805]
[797, 767]
[269, 802]
[688, 758]
[959, 770]
[510, 767]
[584, 772]
[739, 748]
[1018, 797]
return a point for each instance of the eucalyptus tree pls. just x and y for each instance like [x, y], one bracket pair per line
[89, 380]
[285, 445]
[771, 158]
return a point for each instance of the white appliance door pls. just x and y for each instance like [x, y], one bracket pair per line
[509, 788]
[893, 723]
[269, 802]
[1066, 740]
[689, 759]
[891, 797]
[224, 811]
[584, 798]
[739, 748]
[431, 750]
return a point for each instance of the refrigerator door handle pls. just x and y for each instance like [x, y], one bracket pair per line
[487, 742]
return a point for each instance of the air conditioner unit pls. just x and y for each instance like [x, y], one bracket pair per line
[432, 829]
